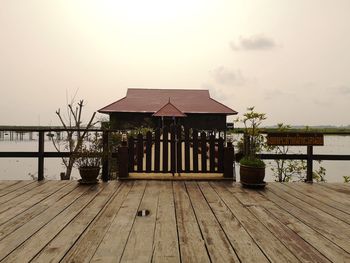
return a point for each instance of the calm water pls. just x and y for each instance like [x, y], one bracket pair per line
[23, 168]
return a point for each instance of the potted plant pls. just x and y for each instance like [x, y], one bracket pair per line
[88, 161]
[252, 168]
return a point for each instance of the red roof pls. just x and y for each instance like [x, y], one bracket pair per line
[169, 110]
[151, 100]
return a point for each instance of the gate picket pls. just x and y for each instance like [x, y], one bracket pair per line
[187, 150]
[165, 150]
[172, 148]
[221, 155]
[179, 148]
[195, 151]
[148, 152]
[212, 153]
[139, 152]
[204, 152]
[157, 150]
[131, 144]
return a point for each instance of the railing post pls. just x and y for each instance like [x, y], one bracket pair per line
[228, 161]
[123, 159]
[41, 156]
[309, 165]
[105, 156]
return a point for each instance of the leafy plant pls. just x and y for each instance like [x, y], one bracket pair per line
[346, 179]
[90, 154]
[289, 170]
[253, 141]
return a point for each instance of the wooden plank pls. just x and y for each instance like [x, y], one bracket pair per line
[271, 202]
[268, 243]
[245, 247]
[324, 212]
[315, 218]
[84, 249]
[18, 205]
[23, 218]
[139, 152]
[131, 146]
[79, 197]
[112, 246]
[342, 189]
[157, 151]
[18, 190]
[59, 246]
[10, 186]
[140, 247]
[166, 245]
[165, 150]
[204, 152]
[322, 194]
[148, 152]
[192, 245]
[218, 245]
[327, 208]
[187, 150]
[297, 245]
[212, 153]
[5, 184]
[195, 151]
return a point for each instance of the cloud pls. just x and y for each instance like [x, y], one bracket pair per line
[255, 42]
[225, 76]
[344, 90]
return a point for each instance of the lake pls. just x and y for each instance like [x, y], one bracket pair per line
[25, 168]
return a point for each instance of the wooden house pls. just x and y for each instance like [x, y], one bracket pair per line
[161, 107]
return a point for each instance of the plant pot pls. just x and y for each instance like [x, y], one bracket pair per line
[252, 176]
[89, 174]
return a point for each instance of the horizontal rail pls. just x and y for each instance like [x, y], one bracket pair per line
[44, 154]
[316, 157]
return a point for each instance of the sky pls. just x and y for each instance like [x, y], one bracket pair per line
[289, 59]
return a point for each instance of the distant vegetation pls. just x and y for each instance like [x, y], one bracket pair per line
[319, 129]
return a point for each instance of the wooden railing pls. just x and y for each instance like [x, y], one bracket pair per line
[41, 154]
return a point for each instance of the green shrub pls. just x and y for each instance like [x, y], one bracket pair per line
[255, 162]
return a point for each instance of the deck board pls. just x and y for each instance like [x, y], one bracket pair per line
[189, 221]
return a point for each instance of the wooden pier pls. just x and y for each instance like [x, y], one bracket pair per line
[62, 221]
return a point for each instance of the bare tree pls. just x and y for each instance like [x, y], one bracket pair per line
[76, 133]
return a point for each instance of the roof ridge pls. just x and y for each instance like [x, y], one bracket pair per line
[168, 89]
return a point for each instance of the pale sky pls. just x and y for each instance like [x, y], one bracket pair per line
[289, 59]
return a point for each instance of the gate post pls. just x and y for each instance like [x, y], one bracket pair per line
[228, 161]
[105, 156]
[123, 160]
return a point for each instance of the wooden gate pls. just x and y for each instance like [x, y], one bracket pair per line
[176, 150]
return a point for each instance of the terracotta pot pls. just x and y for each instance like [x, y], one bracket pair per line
[252, 175]
[89, 174]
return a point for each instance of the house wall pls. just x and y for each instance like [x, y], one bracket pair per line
[127, 121]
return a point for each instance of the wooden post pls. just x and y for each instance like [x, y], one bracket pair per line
[123, 160]
[228, 161]
[41, 156]
[309, 165]
[105, 157]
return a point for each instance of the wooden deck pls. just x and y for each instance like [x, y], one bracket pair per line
[190, 221]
